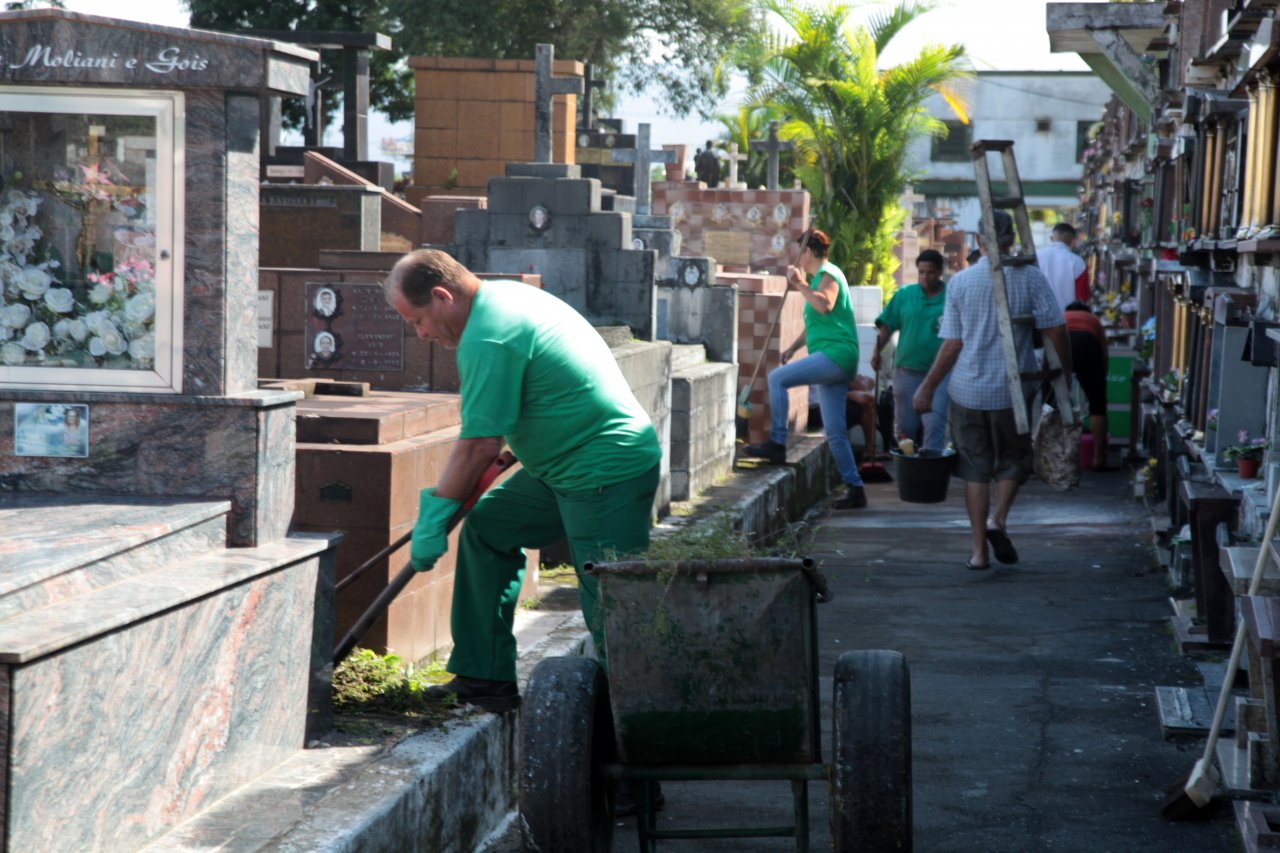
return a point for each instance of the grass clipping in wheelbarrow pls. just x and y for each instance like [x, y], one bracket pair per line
[713, 540]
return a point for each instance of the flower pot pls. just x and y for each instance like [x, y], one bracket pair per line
[1247, 468]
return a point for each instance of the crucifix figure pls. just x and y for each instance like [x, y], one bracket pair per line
[545, 88]
[643, 158]
[773, 147]
[734, 159]
[588, 121]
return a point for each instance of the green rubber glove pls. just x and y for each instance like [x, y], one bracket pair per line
[430, 539]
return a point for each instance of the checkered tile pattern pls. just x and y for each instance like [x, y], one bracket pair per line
[700, 209]
[759, 298]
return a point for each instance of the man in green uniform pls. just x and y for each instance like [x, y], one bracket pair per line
[538, 378]
[915, 313]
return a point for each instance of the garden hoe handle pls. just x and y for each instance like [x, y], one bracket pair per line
[380, 604]
[1203, 782]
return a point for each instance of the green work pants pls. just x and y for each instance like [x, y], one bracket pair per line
[524, 512]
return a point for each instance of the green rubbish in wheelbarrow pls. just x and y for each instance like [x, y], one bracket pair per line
[712, 662]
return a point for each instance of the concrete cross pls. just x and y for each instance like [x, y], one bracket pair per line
[545, 88]
[773, 146]
[588, 99]
[734, 159]
[643, 158]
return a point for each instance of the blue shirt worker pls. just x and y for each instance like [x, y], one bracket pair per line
[915, 313]
[988, 444]
[536, 377]
[831, 336]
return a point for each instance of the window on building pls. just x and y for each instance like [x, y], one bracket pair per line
[955, 146]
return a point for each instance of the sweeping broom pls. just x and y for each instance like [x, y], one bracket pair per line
[744, 404]
[872, 471]
[1185, 799]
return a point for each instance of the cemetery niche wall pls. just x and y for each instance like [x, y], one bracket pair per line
[163, 639]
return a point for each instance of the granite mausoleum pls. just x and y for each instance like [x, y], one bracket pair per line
[162, 635]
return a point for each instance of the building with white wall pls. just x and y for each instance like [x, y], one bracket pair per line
[1047, 114]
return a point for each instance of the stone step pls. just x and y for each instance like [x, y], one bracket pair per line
[684, 356]
[57, 548]
[131, 707]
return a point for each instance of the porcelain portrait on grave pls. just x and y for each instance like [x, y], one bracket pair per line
[327, 303]
[539, 218]
[676, 212]
[324, 350]
[779, 243]
[51, 429]
[719, 214]
[754, 217]
[90, 240]
[781, 214]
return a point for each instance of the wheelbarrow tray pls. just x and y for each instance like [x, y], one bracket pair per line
[711, 662]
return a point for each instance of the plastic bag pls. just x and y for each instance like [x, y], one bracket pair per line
[1056, 449]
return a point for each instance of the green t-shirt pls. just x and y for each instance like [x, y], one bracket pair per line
[916, 317]
[834, 334]
[534, 372]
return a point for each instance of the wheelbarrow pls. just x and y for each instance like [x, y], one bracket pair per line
[713, 675]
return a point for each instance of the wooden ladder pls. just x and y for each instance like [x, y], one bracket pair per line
[1024, 256]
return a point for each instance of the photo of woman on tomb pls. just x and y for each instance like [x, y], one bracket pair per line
[88, 231]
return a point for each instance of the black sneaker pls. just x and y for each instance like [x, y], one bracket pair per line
[769, 450]
[494, 696]
[855, 497]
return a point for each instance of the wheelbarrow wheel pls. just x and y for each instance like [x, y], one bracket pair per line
[871, 753]
[566, 735]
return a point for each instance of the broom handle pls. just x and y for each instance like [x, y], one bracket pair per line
[1220, 712]
[765, 351]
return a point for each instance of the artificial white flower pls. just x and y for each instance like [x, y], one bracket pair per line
[143, 347]
[7, 233]
[5, 332]
[36, 337]
[97, 348]
[6, 217]
[112, 339]
[34, 282]
[62, 329]
[140, 308]
[15, 316]
[59, 300]
[78, 329]
[12, 353]
[100, 294]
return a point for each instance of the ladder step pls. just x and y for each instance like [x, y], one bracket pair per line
[984, 145]
[1008, 202]
[1018, 261]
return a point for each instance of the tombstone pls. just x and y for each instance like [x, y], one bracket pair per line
[734, 158]
[547, 86]
[643, 158]
[135, 643]
[772, 148]
[298, 221]
[587, 118]
[594, 154]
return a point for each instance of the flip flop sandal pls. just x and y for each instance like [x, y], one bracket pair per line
[1002, 546]
[977, 568]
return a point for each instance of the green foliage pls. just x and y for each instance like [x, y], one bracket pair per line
[370, 682]
[753, 123]
[620, 37]
[852, 122]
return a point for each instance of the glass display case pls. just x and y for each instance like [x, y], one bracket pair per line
[91, 239]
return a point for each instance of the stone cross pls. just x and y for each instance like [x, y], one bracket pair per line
[588, 99]
[773, 147]
[643, 158]
[545, 88]
[734, 159]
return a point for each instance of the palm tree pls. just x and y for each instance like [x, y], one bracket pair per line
[744, 126]
[852, 122]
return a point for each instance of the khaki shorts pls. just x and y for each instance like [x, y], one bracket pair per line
[988, 446]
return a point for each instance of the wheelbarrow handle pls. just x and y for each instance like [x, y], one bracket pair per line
[380, 604]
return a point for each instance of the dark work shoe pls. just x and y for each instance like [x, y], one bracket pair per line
[769, 450]
[855, 497]
[494, 696]
[626, 797]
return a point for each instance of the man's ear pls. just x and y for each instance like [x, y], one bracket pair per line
[442, 293]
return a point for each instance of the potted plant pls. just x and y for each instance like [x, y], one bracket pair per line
[1247, 454]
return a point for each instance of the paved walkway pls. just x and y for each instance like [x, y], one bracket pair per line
[1035, 726]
